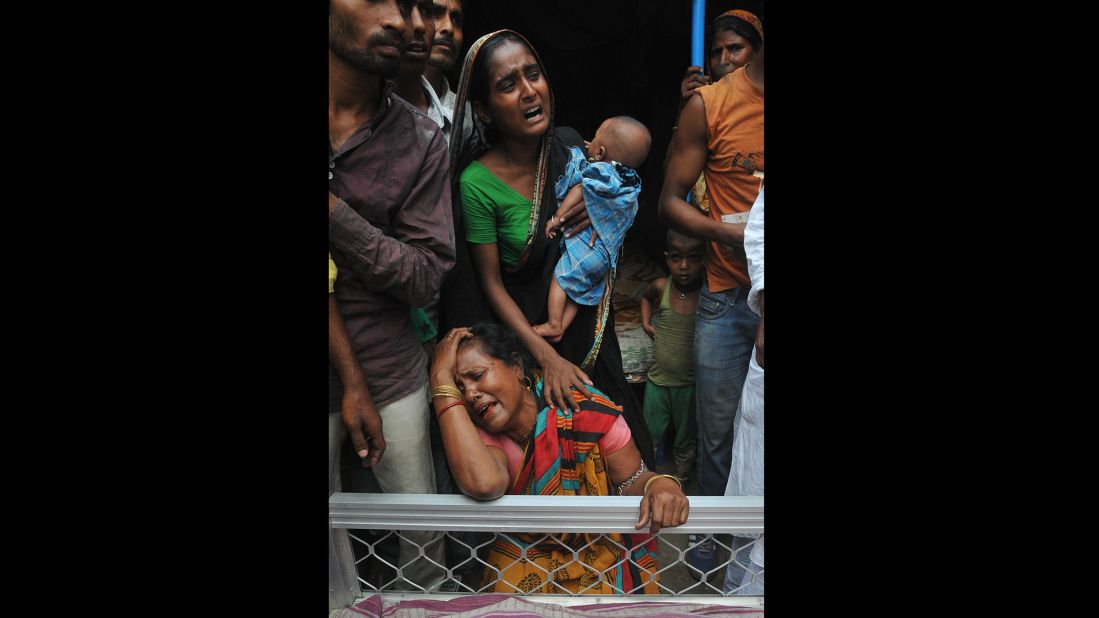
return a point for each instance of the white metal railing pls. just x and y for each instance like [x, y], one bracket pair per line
[711, 517]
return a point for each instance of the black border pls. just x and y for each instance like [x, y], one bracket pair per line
[231, 306]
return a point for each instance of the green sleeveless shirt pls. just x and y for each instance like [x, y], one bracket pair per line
[673, 345]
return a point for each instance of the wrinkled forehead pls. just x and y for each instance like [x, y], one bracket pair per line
[511, 56]
[728, 37]
[471, 353]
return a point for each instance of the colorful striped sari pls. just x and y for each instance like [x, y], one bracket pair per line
[564, 459]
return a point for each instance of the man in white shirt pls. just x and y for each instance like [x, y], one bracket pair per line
[446, 48]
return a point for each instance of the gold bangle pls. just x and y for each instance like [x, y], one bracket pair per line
[446, 391]
[661, 476]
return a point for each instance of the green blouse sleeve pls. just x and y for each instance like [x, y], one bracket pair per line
[478, 205]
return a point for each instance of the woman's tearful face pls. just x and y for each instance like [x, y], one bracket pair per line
[518, 100]
[491, 386]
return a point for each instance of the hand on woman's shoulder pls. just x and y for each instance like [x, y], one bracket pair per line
[599, 401]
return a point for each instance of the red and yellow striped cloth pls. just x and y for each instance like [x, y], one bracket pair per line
[566, 460]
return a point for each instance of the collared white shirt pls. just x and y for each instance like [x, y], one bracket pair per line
[436, 111]
[449, 100]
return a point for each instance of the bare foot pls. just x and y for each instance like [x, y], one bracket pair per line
[549, 331]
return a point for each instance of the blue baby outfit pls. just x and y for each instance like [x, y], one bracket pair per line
[610, 195]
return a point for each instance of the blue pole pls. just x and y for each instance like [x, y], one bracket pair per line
[698, 31]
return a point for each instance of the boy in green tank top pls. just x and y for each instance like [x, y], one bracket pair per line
[670, 390]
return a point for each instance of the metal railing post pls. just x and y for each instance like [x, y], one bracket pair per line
[343, 579]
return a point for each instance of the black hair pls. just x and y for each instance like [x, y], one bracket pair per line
[478, 83]
[672, 234]
[501, 343]
[737, 25]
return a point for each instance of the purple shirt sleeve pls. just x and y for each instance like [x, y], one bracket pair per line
[409, 264]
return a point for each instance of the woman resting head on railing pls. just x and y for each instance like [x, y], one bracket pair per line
[502, 438]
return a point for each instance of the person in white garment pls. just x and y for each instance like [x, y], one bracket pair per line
[746, 471]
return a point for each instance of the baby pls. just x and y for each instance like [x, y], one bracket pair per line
[610, 187]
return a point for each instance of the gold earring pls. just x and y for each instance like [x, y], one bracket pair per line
[526, 382]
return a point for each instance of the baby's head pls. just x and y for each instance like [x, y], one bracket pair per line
[621, 139]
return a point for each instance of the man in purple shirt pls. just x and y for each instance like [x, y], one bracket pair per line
[391, 236]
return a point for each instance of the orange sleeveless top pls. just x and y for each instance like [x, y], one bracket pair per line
[734, 119]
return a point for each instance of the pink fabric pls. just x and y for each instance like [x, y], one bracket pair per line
[611, 442]
[518, 606]
[514, 455]
[616, 438]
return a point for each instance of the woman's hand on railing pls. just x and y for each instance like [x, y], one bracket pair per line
[664, 505]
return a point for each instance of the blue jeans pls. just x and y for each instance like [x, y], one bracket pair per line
[751, 578]
[736, 572]
[725, 333]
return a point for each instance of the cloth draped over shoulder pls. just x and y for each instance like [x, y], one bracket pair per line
[590, 342]
[563, 458]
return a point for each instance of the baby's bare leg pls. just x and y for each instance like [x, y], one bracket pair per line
[557, 309]
[571, 308]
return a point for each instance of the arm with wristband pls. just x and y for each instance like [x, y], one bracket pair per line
[663, 504]
[481, 471]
